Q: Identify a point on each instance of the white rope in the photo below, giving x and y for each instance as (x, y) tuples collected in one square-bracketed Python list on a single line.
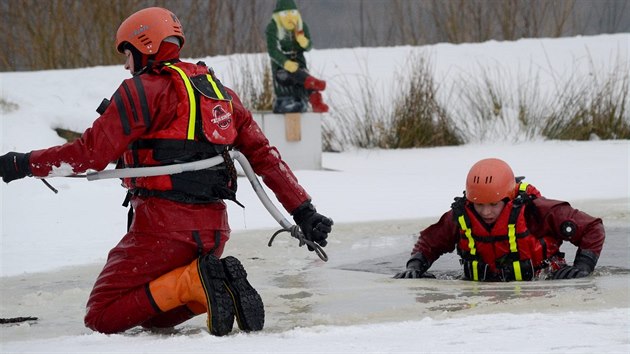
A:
[(286, 225)]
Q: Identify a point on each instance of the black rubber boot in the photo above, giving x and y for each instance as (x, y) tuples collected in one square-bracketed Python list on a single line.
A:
[(220, 304), (289, 105), (248, 305)]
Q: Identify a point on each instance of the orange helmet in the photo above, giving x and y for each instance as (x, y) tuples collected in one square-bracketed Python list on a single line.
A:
[(146, 29), (489, 181)]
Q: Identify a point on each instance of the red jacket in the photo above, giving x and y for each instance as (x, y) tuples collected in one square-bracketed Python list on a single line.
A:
[(543, 217), (141, 107)]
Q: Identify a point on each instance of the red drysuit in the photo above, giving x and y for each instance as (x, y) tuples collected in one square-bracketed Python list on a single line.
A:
[(164, 234), (544, 228)]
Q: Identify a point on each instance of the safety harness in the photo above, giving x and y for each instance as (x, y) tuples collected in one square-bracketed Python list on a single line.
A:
[(513, 255), (203, 128)]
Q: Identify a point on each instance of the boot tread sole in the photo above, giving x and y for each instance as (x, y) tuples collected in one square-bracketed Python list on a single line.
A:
[(220, 304), (248, 305)]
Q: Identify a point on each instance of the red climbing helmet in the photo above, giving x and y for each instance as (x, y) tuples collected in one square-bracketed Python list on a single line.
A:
[(489, 181), (146, 29)]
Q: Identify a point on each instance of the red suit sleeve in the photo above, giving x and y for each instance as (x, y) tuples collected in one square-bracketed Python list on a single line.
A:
[(124, 120), (438, 239), (559, 219), (265, 159)]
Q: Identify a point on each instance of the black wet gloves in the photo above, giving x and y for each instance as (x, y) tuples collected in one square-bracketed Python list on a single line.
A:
[(416, 268), (315, 226), (14, 165), (583, 265)]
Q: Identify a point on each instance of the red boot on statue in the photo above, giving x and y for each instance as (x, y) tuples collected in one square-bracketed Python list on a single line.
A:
[(311, 83), (317, 103)]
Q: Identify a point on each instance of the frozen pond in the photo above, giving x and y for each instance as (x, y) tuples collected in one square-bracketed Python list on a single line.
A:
[(354, 287)]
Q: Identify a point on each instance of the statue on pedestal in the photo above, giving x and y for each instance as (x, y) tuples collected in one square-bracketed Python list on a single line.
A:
[(288, 37)]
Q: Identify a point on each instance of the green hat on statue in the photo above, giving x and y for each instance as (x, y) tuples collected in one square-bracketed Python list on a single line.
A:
[(283, 5)]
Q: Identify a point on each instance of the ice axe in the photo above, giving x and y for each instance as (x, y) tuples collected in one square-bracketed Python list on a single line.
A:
[(286, 225)]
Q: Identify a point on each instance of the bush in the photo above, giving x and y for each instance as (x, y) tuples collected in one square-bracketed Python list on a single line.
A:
[(418, 120)]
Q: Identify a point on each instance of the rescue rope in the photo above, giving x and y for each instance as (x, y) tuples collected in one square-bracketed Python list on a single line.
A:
[(50, 186), (295, 231), (286, 225)]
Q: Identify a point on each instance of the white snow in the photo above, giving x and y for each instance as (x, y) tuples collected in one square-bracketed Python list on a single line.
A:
[(47, 233)]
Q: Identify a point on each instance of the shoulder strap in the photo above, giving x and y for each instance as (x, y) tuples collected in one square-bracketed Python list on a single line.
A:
[(211, 87), (522, 197), (458, 205)]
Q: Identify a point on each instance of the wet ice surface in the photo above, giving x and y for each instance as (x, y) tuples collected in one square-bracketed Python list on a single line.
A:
[(355, 287)]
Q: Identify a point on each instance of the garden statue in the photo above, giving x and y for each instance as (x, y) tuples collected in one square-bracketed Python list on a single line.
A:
[(288, 37)]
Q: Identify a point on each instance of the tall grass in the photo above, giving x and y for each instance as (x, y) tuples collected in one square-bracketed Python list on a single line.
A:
[(251, 80), (496, 105), (592, 107), (415, 118), (357, 116), (417, 112), (480, 108)]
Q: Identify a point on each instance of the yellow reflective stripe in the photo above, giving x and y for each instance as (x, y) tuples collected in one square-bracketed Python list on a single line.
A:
[(513, 249), (517, 270), (512, 237), (512, 227), (215, 87), (523, 186), (191, 102), (468, 232), (475, 265)]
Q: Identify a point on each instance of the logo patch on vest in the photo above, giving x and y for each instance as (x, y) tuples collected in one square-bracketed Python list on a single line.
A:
[(221, 117)]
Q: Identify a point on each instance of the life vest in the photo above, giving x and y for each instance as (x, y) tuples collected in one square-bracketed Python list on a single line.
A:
[(505, 248), (204, 127)]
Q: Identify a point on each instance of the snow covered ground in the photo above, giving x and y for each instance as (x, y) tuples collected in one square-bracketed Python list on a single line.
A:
[(53, 246)]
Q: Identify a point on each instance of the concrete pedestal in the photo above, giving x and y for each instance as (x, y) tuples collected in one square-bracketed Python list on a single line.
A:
[(298, 137)]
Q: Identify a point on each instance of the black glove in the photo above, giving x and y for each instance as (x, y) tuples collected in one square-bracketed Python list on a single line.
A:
[(583, 265), (315, 226), (416, 268), (14, 165)]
